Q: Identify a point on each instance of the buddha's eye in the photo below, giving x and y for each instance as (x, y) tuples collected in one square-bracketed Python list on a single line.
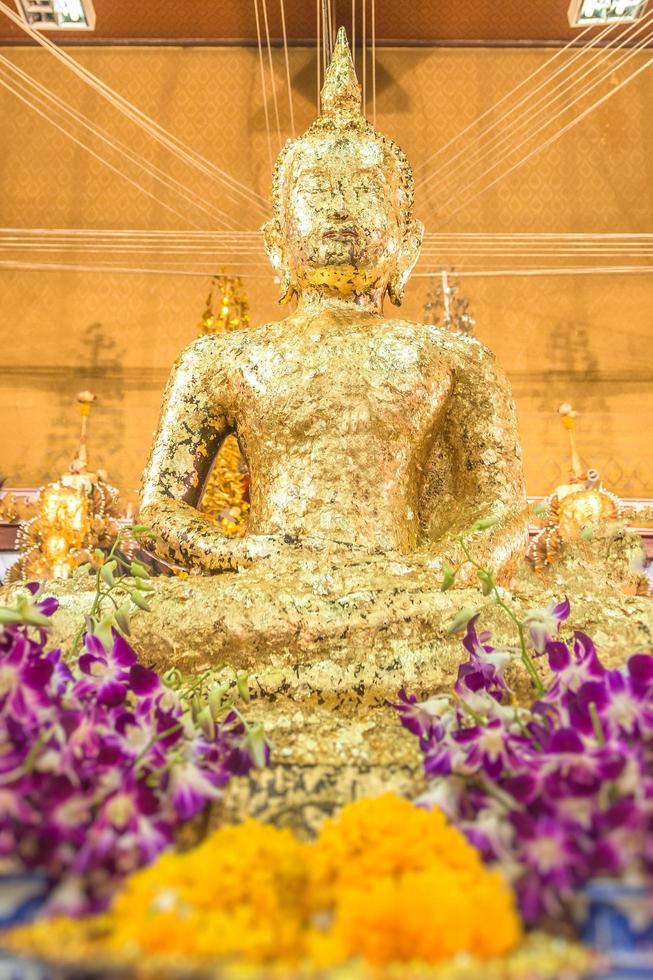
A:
[(315, 186), (368, 185)]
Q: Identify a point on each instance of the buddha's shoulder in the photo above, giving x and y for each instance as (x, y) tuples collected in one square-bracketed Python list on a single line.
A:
[(212, 351), (456, 347)]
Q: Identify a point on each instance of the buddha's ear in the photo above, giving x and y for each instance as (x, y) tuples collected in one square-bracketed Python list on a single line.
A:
[(407, 256), (273, 242)]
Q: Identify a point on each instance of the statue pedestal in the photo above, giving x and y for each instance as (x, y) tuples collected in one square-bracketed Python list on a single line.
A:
[(326, 646)]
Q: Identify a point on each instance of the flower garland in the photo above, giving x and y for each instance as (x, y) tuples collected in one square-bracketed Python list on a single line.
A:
[(100, 761), (384, 881)]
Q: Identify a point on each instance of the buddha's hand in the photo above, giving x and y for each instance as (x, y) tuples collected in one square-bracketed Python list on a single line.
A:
[(284, 546), (213, 552)]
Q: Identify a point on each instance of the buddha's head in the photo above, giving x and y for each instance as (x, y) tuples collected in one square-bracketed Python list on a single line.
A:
[(343, 199)]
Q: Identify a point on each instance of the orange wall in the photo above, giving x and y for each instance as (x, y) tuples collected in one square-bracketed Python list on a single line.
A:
[(584, 339)]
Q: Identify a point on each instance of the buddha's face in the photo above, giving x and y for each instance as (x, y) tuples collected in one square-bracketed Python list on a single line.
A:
[(344, 212)]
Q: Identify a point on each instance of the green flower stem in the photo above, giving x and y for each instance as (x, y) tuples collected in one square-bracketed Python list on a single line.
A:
[(470, 711), (596, 723), (527, 660)]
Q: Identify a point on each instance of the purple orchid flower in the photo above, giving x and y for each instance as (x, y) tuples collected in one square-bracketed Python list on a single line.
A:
[(98, 763), (544, 624), (107, 672), (484, 669), (558, 792), (24, 678), (486, 747)]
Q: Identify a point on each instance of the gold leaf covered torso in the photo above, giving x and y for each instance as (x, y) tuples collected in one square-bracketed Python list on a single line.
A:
[(360, 432)]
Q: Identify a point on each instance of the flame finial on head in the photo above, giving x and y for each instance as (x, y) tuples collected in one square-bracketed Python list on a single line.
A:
[(341, 90)]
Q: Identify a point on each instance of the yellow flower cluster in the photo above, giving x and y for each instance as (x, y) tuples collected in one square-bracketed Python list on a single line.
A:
[(241, 893), (384, 882), (403, 884)]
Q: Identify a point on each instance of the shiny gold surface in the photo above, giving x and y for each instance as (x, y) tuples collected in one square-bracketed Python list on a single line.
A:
[(368, 440), (326, 648)]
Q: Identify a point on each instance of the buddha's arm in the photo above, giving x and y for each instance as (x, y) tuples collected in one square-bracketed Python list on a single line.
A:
[(193, 423), (477, 470)]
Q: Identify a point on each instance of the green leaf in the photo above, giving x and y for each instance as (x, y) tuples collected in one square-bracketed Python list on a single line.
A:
[(486, 579), (99, 554), (139, 601), (196, 706), (242, 683), (172, 678), (484, 523), (206, 723), (448, 576), (103, 631), (139, 529), (32, 617), (460, 621), (106, 574), (121, 616), (256, 744), (138, 570), (9, 616), (216, 699), (144, 585)]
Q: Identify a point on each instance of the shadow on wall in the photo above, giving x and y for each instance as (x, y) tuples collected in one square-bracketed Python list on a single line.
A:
[(98, 366)]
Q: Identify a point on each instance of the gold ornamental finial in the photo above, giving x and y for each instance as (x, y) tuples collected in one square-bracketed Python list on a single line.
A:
[(341, 90)]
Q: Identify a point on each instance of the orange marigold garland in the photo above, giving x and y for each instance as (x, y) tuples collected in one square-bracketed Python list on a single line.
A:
[(385, 882)]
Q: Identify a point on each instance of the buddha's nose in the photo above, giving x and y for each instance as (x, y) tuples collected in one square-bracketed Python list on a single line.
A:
[(338, 204)]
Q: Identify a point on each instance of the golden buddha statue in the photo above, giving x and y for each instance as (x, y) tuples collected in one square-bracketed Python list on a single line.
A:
[(372, 443), (363, 435)]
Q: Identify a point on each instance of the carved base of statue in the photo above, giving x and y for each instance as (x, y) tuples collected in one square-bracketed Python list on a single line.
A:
[(327, 645)]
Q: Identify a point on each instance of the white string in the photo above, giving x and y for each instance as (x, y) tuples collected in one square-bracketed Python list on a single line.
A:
[(491, 149), (475, 122), (616, 270), (142, 162), (227, 235), (450, 245), (374, 63), (263, 86), (140, 118), (318, 13), (329, 32), (552, 139), (97, 156), (287, 61), (62, 267), (363, 45), (527, 117), (187, 248), (486, 273), (325, 40), (273, 85)]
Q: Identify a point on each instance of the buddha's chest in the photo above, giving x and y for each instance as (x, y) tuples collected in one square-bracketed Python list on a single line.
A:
[(391, 383)]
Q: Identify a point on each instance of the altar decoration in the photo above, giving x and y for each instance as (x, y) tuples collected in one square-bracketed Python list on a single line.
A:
[(73, 515), (558, 793), (102, 761), (226, 493), (385, 882), (574, 510), (445, 306)]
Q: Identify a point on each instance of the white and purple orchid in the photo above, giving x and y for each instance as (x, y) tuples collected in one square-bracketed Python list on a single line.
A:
[(557, 793), (99, 764)]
